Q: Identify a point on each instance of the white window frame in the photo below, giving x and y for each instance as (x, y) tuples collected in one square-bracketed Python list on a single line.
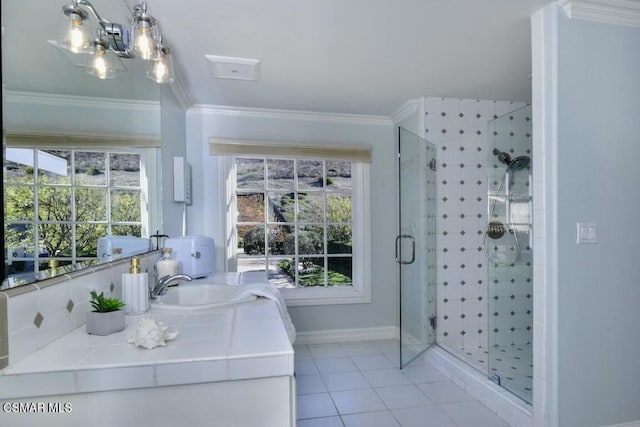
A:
[(360, 291)]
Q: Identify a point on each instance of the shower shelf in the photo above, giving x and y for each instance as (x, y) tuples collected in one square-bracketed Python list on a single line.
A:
[(512, 198)]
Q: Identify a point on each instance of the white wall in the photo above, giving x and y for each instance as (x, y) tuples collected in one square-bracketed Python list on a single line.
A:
[(203, 215), (592, 346)]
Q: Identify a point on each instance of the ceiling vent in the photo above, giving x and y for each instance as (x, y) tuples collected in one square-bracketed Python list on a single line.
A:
[(226, 67)]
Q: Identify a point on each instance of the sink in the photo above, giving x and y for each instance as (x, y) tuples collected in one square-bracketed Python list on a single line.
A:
[(199, 297)]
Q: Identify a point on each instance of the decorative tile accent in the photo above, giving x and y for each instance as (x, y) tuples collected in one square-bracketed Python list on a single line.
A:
[(112, 287), (38, 320), (70, 306)]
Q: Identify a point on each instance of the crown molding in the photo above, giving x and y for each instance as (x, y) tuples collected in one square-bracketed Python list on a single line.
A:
[(269, 113), (617, 12), (80, 101), (410, 107)]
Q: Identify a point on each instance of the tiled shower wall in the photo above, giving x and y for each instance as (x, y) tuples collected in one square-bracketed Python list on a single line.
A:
[(458, 128)]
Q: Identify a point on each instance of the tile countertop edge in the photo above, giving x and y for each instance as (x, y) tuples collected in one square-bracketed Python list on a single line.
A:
[(177, 370)]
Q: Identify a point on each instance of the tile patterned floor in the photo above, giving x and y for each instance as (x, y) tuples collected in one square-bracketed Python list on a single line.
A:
[(359, 384), (513, 363)]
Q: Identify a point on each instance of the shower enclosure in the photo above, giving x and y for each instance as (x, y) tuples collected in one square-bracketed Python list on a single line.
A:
[(501, 345)]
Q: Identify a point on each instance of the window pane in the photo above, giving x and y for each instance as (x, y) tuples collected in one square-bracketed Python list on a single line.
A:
[(340, 271), (19, 203), (277, 237), (339, 176), (281, 207), (310, 175), (124, 169), (90, 168), (250, 207), (280, 174), (91, 204), (56, 239), (310, 240), (338, 208), (252, 239), (250, 174), (125, 206), (18, 164), (282, 272), (246, 264), (339, 239), (126, 230), (54, 166), (19, 239), (311, 272), (87, 236), (54, 203), (310, 207)]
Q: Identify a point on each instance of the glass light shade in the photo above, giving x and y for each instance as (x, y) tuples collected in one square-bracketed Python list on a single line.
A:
[(100, 65), (161, 69), (143, 41), (77, 39)]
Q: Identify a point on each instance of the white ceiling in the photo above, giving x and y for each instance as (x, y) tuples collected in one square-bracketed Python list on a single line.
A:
[(344, 56)]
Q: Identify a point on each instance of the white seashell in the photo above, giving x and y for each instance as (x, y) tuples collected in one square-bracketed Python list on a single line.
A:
[(151, 333)]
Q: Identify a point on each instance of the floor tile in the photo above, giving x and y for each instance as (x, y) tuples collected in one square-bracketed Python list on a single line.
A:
[(320, 422), (369, 362), (370, 419), (423, 373), (423, 416), (364, 348), (324, 351), (402, 396), (336, 364), (385, 377), (444, 392), (340, 381), (315, 406), (308, 384), (305, 367), (472, 414), (353, 401)]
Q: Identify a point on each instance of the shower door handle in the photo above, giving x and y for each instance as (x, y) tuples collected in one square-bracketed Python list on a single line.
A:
[(413, 248)]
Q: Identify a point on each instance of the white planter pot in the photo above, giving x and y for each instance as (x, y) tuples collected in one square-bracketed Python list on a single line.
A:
[(105, 323)]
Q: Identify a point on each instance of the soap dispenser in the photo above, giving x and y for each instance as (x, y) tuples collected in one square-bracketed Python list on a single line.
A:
[(135, 289), (167, 265)]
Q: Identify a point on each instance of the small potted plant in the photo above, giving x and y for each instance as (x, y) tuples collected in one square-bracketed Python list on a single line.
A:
[(107, 316)]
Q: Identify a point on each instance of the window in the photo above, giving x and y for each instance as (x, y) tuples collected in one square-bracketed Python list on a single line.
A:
[(300, 223), (60, 201)]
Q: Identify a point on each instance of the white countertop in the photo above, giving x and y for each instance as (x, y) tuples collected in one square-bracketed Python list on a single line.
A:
[(241, 341)]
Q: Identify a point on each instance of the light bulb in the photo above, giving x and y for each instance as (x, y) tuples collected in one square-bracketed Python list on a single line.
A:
[(160, 70), (77, 38), (144, 42), (100, 66)]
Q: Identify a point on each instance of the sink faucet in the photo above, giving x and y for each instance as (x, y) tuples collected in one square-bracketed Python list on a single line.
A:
[(161, 285)]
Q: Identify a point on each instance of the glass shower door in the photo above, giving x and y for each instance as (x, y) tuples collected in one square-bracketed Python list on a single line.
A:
[(508, 243), (415, 245)]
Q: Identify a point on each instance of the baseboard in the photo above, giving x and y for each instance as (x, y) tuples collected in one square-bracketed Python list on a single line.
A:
[(343, 335)]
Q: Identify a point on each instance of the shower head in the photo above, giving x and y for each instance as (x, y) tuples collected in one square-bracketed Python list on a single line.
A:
[(519, 163), (513, 165)]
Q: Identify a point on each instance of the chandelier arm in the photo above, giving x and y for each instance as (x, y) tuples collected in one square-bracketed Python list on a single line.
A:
[(86, 3)]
